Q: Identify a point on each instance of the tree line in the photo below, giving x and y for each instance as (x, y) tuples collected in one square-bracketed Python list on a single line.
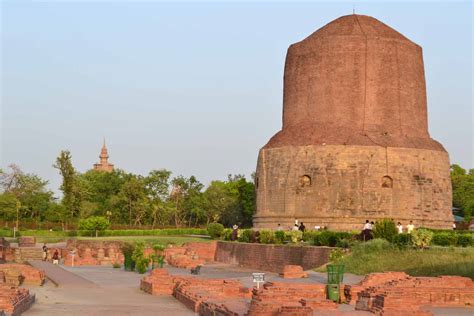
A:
[(157, 199)]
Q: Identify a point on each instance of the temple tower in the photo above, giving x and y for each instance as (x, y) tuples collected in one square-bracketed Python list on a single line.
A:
[(104, 164), (354, 143)]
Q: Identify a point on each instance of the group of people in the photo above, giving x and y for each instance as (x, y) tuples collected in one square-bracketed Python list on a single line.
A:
[(55, 257), (369, 226), (301, 227)]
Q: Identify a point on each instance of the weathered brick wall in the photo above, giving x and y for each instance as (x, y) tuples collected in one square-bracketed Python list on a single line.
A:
[(348, 186), (15, 301), (27, 273), (270, 257)]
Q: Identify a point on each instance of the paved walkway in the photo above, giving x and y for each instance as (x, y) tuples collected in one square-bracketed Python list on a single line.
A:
[(100, 291), (61, 277)]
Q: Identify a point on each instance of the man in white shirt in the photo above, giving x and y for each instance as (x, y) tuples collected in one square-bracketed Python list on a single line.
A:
[(367, 225), (410, 227), (400, 228)]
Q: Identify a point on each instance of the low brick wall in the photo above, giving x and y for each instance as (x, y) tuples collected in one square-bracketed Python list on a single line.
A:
[(271, 258)]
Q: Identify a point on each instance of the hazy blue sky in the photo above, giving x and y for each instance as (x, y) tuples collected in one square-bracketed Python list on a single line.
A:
[(192, 87)]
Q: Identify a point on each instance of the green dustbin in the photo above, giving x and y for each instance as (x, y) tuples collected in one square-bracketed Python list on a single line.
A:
[(128, 262), (333, 292), (335, 273)]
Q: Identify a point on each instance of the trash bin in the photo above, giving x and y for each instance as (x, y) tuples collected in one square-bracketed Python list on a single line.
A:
[(335, 273), (333, 292), (128, 262)]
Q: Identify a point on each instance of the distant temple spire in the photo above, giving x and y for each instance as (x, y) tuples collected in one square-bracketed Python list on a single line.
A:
[(104, 164)]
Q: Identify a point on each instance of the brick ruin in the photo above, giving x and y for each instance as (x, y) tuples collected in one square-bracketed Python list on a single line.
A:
[(88, 252), (15, 300), (354, 143), (391, 293)]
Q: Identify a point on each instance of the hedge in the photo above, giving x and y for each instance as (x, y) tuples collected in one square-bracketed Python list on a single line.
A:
[(106, 233)]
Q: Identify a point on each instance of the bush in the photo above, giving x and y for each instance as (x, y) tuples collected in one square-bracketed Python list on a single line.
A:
[(227, 234), (6, 233), (401, 240), (444, 239), (141, 263), (294, 235), (245, 235), (385, 229), (331, 239), (94, 223), (267, 237), (215, 230), (336, 255), (116, 265), (279, 237), (421, 238), (309, 235), (464, 240)]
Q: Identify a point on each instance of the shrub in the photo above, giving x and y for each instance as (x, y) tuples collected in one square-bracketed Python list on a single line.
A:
[(245, 235), (279, 237), (295, 235), (116, 265), (401, 240), (215, 230), (227, 234), (331, 239), (385, 229), (336, 255), (309, 235), (421, 238), (141, 263), (464, 240), (444, 239), (267, 237), (94, 223)]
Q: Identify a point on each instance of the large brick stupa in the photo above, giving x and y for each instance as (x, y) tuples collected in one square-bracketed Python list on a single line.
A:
[(354, 143)]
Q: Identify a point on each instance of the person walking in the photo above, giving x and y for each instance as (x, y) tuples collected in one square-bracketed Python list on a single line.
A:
[(56, 257), (45, 252), (410, 227)]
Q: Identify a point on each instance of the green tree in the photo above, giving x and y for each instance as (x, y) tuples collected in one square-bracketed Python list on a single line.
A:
[(186, 195), (133, 197), (99, 187), (8, 203), (71, 190), (29, 189), (463, 190), (157, 186), (94, 223), (220, 200)]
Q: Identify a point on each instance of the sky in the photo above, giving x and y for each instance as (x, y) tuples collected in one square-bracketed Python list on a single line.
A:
[(192, 87)]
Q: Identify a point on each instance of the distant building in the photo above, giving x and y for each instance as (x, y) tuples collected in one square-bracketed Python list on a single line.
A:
[(104, 164)]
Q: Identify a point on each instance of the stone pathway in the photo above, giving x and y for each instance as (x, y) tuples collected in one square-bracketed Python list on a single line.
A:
[(102, 291), (60, 276)]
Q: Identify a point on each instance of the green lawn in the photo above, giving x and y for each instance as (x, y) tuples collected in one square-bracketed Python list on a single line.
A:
[(428, 262)]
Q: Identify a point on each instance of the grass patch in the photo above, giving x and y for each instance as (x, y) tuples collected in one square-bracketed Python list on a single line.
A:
[(378, 256), (176, 240)]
